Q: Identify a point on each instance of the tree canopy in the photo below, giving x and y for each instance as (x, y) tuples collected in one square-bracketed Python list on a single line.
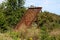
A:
[(11, 12)]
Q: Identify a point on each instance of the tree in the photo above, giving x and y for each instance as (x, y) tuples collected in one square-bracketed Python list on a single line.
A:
[(20, 3), (14, 11), (11, 12), (15, 4)]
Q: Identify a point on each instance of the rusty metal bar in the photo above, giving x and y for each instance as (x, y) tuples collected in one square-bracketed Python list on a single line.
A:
[(29, 17)]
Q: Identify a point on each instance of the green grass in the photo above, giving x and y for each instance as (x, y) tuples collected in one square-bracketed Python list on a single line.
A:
[(32, 33)]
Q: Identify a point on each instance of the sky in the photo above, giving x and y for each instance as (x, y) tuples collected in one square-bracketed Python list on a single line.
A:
[(1, 1), (47, 5)]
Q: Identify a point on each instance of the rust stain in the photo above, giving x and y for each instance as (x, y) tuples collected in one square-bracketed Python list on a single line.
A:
[(29, 17)]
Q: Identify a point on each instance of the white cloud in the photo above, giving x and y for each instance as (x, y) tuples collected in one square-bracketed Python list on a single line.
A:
[(46, 2), (1, 1)]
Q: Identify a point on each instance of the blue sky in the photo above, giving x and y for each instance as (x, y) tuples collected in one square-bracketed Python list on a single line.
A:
[(47, 5), (1, 1)]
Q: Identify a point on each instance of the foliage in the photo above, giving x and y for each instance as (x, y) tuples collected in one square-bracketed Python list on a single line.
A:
[(12, 11), (48, 20), (14, 4), (10, 14), (32, 33)]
